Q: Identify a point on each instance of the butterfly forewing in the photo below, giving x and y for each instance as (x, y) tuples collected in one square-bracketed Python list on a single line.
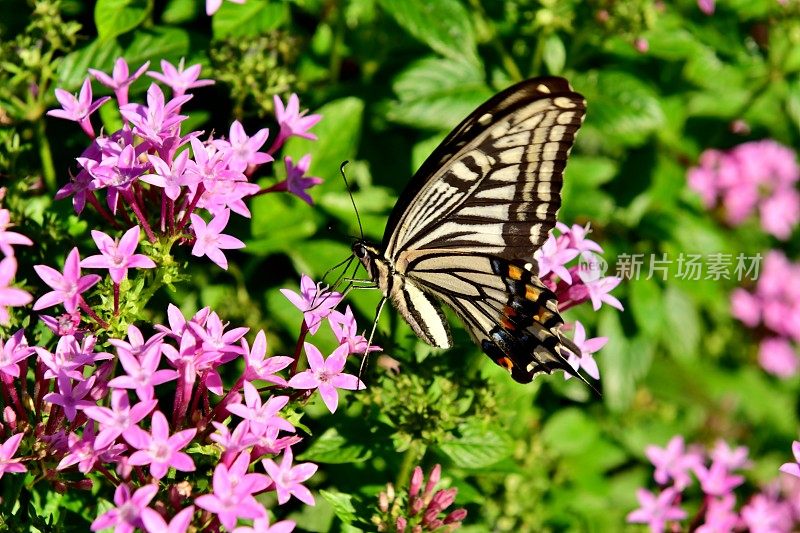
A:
[(494, 184)]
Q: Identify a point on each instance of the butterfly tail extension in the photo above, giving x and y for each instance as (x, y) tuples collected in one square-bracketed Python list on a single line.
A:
[(529, 339)]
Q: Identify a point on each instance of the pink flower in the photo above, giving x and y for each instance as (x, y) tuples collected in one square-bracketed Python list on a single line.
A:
[(158, 120), (154, 523), (326, 375), (12, 351), (292, 121), (119, 418), (673, 462), (780, 212), (170, 177), (717, 479), (777, 356), (656, 511), (766, 514), (720, 515), (233, 492), (346, 331), (141, 373), (731, 458), (261, 415), (793, 469), (243, 150), (259, 366), (120, 78), (67, 287), (296, 181), (7, 451), (599, 288), (287, 478), (10, 238), (261, 525), (553, 256), (746, 307), (10, 296), (315, 303), (159, 449), (210, 241), (706, 6), (117, 255), (178, 79), (71, 398), (587, 347), (127, 515), (79, 108)]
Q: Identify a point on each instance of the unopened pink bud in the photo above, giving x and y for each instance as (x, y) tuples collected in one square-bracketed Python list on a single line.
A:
[(456, 516), (401, 524), (416, 482)]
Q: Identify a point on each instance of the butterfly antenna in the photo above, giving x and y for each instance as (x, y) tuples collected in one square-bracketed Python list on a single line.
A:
[(349, 192)]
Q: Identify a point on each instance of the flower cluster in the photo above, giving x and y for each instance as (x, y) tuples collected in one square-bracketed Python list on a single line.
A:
[(776, 508), (153, 173), (10, 296), (759, 175), (580, 282), (425, 511), (774, 306)]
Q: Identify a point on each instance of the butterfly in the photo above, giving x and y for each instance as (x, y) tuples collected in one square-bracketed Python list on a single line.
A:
[(464, 231)]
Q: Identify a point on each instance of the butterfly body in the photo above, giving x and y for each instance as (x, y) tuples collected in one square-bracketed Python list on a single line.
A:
[(464, 231)]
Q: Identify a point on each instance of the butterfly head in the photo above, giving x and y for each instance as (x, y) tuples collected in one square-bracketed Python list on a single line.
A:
[(376, 265)]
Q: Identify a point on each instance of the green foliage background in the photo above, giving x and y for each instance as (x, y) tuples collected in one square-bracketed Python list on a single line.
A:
[(390, 78)]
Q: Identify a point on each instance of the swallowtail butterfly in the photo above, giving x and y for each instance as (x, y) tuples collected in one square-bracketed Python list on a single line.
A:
[(464, 231)]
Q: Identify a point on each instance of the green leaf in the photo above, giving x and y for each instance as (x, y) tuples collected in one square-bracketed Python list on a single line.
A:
[(478, 446), (156, 43), (338, 135), (115, 17), (180, 11), (615, 363), (342, 505), (444, 25), (646, 301), (279, 221), (250, 19), (73, 69), (555, 55), (570, 431), (333, 448), (437, 94), (682, 332)]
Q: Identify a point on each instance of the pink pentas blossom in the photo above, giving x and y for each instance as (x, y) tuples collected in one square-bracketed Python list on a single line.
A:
[(733, 458), (71, 396), (345, 329), (136, 344), (721, 516), (158, 120), (14, 350), (67, 286), (155, 523), (8, 239), (269, 442), (142, 373), (296, 181), (127, 513), (780, 212), (179, 79), (119, 418), (326, 375), (587, 348), (777, 356), (656, 511), (117, 255), (793, 469), (315, 302), (69, 357), (261, 415), (9, 464), (170, 177), (259, 366), (706, 6), (233, 489), (553, 256), (159, 449), (717, 479), (84, 451), (746, 307), (78, 108), (232, 442), (210, 241), (10, 296), (287, 479), (598, 288), (216, 340), (120, 79), (673, 462), (243, 149), (292, 120), (767, 514)]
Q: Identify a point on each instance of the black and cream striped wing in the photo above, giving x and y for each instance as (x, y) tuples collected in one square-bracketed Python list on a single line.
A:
[(493, 186), (505, 308)]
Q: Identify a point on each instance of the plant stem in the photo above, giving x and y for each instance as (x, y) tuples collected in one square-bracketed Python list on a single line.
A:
[(46, 156), (411, 458)]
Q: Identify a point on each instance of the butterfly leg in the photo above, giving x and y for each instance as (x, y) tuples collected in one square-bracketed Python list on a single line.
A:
[(378, 311)]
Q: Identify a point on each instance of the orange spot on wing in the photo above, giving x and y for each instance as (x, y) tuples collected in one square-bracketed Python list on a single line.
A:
[(532, 293), (506, 363), (514, 272)]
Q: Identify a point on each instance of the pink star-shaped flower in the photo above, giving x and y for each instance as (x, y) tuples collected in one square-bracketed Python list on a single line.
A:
[(287, 478), (120, 79), (292, 121), (159, 449), (117, 255), (793, 469), (259, 366), (127, 515), (67, 286), (243, 149), (78, 108), (315, 302), (179, 79), (261, 415), (673, 462), (7, 451), (553, 256), (326, 375), (296, 181), (10, 296), (656, 511), (587, 347), (210, 241)]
